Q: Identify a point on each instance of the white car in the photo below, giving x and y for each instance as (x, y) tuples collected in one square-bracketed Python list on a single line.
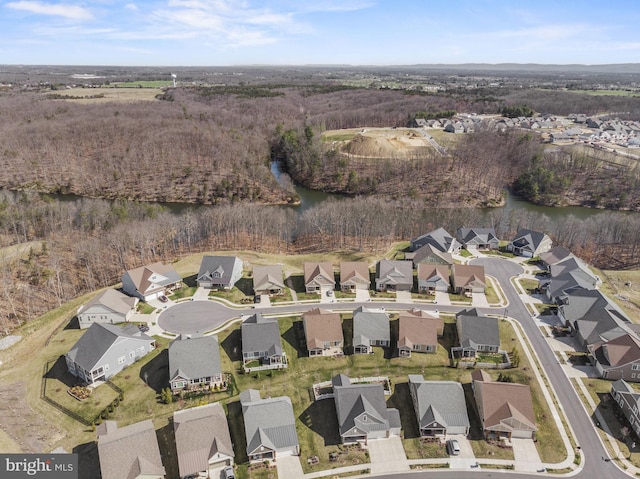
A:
[(227, 473), (453, 447)]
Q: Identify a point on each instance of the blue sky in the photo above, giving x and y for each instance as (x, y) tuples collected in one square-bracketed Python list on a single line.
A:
[(286, 32)]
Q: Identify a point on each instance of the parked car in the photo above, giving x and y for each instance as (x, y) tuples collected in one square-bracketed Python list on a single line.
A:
[(227, 473), (143, 327), (330, 293), (257, 298), (453, 447), (163, 298)]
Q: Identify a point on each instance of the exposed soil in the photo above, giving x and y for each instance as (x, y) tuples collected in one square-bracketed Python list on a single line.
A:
[(386, 143)]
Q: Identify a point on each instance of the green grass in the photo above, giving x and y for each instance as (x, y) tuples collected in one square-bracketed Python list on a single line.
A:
[(460, 298), (142, 84), (279, 298), (234, 295), (185, 292), (465, 253), (528, 284), (491, 294), (145, 308)]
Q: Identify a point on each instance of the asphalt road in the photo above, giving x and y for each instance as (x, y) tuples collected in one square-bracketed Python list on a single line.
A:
[(202, 316)]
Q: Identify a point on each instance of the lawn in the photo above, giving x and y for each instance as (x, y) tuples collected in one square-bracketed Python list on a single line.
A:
[(145, 308), (528, 284), (235, 295), (185, 292), (461, 298), (491, 294)]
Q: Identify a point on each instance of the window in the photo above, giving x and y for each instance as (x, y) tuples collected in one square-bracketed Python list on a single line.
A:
[(364, 418), (122, 359), (635, 367)]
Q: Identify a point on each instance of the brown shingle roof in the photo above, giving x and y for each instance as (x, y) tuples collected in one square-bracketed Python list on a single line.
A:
[(354, 271), (504, 406), (415, 330), (320, 326), (313, 270), (465, 274)]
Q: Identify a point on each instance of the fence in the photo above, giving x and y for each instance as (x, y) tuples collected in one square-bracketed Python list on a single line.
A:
[(386, 385)]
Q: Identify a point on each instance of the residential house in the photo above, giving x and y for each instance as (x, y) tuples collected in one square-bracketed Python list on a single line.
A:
[(429, 254), (318, 277), (439, 239), (323, 332), (194, 363), (618, 358), (362, 411), (440, 406), (529, 243), (505, 409), (432, 278), (468, 279), (570, 274), (151, 282), (628, 400), (219, 272), (554, 256), (394, 275), (261, 342), (370, 328), (203, 441), (418, 332), (269, 426), (591, 316), (267, 280), (130, 452), (455, 127), (105, 349), (477, 333), (478, 238), (354, 275), (109, 306)]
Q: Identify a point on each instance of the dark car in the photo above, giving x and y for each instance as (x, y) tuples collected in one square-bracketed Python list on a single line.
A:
[(163, 298), (143, 327), (257, 298)]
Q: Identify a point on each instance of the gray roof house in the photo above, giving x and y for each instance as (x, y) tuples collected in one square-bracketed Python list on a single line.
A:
[(592, 317), (555, 255), (268, 279), (203, 441), (394, 275), (432, 278), (130, 452), (478, 238), (439, 239), (151, 281), (567, 275), (261, 342), (318, 277), (105, 349), (477, 333), (109, 306), (269, 425), (219, 272), (440, 406), (628, 400), (370, 328), (362, 411), (194, 363), (354, 275), (529, 243), (429, 254)]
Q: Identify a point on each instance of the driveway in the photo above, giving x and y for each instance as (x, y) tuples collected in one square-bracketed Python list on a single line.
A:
[(362, 295), (403, 296), (289, 467), (526, 455), (387, 455), (442, 297)]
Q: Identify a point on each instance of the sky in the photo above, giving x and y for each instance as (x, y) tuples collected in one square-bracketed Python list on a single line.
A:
[(302, 32)]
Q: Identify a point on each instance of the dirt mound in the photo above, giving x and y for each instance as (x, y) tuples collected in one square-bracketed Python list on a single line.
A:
[(386, 144)]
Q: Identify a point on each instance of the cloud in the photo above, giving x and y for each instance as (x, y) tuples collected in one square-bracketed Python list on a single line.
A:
[(73, 12), (131, 6)]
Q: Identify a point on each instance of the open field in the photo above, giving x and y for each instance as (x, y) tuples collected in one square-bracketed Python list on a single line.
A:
[(378, 142), (108, 94), (608, 92), (623, 288)]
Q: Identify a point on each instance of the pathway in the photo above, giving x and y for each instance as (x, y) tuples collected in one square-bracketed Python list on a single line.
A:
[(387, 455)]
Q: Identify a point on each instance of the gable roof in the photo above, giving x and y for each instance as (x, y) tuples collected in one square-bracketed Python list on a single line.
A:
[(476, 235), (394, 272), (429, 251), (442, 402), (98, 339), (321, 273), (201, 433), (261, 334), (194, 357), (433, 273), (219, 266), (555, 255), (418, 330), (619, 351), (477, 329), (356, 272), (504, 406), (153, 276), (321, 325), (570, 273), (128, 452), (369, 325), (468, 275), (528, 238), (360, 406), (268, 422), (111, 299), (440, 239), (267, 277)]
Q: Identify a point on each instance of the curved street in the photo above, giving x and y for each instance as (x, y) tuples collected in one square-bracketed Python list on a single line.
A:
[(205, 316)]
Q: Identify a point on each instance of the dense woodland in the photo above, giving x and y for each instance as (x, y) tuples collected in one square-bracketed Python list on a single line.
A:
[(213, 146)]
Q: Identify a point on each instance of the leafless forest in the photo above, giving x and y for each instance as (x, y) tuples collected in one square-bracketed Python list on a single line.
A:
[(212, 145)]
